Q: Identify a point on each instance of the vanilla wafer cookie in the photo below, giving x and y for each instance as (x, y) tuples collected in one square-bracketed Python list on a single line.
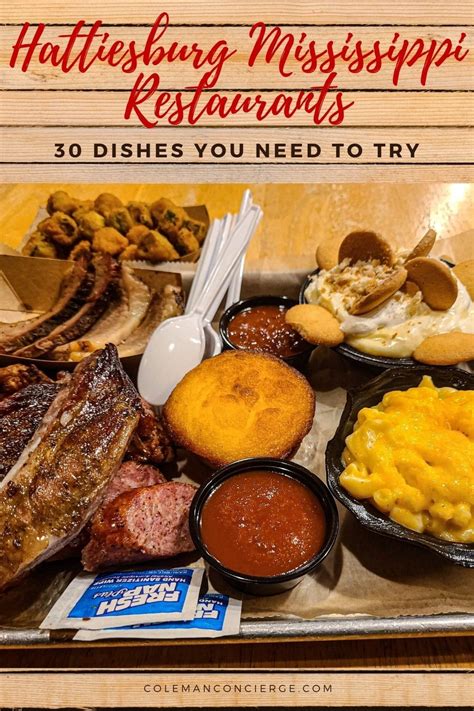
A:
[(365, 246), (327, 253), (446, 349), (315, 324), (437, 284), (380, 293), (465, 273), (424, 246)]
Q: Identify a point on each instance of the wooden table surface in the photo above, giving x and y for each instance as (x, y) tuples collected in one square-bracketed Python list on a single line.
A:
[(297, 217), (414, 653)]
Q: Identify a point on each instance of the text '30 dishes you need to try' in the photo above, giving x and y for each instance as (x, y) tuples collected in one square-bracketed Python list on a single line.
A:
[(156, 232), (391, 305)]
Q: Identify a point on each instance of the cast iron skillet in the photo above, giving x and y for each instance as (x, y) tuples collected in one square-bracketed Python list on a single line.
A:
[(380, 362), (369, 395)]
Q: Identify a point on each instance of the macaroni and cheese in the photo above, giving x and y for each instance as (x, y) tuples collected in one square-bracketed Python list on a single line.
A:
[(412, 455)]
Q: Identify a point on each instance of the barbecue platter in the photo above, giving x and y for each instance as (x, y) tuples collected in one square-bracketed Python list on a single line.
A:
[(96, 479)]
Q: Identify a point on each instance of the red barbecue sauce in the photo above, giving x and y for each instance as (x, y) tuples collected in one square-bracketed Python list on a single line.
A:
[(262, 523), (264, 329)]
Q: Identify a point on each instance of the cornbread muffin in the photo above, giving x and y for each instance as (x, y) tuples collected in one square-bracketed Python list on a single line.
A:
[(240, 404)]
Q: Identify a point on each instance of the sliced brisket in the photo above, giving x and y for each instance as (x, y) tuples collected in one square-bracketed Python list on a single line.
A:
[(75, 288), (106, 273)]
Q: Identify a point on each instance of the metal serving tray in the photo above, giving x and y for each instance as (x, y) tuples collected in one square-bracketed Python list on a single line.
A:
[(276, 630), (23, 631)]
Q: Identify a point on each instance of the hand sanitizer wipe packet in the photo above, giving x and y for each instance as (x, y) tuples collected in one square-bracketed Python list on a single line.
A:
[(132, 597), (216, 616)]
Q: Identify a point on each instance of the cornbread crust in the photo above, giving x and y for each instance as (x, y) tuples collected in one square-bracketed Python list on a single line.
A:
[(240, 404)]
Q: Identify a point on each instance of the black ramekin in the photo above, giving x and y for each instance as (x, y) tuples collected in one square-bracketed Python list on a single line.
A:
[(266, 585), (299, 360)]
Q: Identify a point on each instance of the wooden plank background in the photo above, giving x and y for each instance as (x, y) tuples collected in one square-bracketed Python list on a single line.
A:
[(44, 106), (216, 11)]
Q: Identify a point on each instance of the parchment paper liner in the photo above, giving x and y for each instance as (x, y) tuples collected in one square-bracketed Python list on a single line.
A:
[(365, 575)]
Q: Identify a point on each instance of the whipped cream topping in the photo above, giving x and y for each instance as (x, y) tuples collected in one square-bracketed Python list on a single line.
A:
[(395, 328)]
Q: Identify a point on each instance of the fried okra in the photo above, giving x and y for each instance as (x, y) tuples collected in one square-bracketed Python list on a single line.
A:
[(89, 223), (129, 253), (38, 245), (196, 227), (106, 202), (59, 228), (140, 213), (109, 240), (155, 247), (119, 219), (136, 233), (84, 207), (185, 242), (167, 216), (61, 201)]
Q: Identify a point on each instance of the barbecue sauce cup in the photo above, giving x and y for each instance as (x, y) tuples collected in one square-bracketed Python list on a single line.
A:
[(299, 359), (287, 480)]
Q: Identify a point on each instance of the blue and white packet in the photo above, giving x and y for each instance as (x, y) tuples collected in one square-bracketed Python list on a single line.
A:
[(96, 602), (216, 616)]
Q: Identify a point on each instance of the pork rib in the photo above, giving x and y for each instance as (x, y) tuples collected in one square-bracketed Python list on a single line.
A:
[(59, 481), (20, 417)]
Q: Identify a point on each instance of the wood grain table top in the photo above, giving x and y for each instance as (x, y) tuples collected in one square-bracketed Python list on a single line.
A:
[(414, 653)]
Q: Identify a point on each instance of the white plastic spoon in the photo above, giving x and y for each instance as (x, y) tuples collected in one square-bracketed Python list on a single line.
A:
[(177, 345)]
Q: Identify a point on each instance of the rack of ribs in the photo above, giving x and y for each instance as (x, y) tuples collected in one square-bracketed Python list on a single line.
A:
[(61, 477)]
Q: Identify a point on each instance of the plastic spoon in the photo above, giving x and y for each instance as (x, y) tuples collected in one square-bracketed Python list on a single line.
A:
[(213, 341), (177, 345)]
